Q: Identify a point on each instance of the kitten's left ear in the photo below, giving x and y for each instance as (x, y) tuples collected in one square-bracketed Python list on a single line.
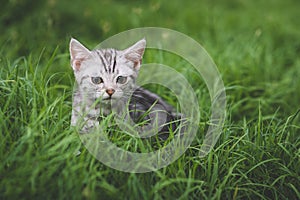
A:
[(135, 53), (78, 53)]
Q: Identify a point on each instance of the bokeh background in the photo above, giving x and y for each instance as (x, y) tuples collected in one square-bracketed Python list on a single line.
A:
[(256, 46)]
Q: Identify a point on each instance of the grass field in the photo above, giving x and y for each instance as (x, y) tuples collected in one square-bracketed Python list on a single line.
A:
[(256, 46)]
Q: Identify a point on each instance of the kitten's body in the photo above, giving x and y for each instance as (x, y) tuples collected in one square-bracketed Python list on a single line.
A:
[(106, 81)]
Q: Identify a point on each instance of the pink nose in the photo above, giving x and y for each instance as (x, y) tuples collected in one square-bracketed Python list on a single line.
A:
[(110, 91)]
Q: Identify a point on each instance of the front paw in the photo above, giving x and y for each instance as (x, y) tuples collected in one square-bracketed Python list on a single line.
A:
[(89, 126)]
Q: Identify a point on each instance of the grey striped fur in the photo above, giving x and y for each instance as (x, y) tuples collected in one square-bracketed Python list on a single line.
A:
[(116, 72)]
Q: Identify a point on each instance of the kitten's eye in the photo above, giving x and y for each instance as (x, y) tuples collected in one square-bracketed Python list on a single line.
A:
[(97, 80), (121, 79)]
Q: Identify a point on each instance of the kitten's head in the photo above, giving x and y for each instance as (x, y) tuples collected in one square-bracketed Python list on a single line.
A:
[(108, 74)]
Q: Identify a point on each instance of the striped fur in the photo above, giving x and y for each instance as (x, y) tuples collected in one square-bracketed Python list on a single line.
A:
[(106, 81)]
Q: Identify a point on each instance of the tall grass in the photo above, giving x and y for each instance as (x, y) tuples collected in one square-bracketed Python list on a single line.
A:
[(257, 155)]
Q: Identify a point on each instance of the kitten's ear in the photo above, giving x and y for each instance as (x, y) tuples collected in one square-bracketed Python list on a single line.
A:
[(135, 53), (78, 53)]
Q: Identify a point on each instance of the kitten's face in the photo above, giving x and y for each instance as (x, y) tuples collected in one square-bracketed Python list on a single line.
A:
[(107, 74)]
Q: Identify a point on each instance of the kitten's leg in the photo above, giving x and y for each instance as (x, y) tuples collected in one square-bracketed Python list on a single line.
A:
[(89, 125), (87, 122)]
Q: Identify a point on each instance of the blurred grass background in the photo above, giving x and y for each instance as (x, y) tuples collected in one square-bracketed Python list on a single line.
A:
[(256, 46)]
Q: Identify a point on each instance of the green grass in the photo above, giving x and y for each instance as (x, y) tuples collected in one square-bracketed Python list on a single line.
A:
[(256, 47)]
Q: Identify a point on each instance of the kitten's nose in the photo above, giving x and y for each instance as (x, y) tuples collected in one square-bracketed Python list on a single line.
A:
[(110, 91)]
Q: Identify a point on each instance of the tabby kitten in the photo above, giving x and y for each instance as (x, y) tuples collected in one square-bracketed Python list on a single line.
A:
[(106, 83)]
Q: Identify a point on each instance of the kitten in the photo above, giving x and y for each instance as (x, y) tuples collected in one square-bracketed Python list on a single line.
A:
[(106, 82)]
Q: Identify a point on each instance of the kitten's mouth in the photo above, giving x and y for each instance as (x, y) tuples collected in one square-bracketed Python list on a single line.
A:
[(109, 99)]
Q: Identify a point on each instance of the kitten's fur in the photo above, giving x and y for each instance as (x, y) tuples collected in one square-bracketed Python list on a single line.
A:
[(106, 81)]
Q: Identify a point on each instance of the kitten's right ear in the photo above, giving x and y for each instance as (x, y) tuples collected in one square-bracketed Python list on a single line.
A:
[(135, 53), (78, 53)]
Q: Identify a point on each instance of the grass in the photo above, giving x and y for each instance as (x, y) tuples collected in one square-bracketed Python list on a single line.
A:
[(256, 48)]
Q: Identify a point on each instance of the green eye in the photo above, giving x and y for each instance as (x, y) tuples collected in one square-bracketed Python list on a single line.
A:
[(121, 79), (97, 80)]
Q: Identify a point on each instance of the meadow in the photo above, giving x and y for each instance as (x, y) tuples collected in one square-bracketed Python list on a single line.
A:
[(256, 46)]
